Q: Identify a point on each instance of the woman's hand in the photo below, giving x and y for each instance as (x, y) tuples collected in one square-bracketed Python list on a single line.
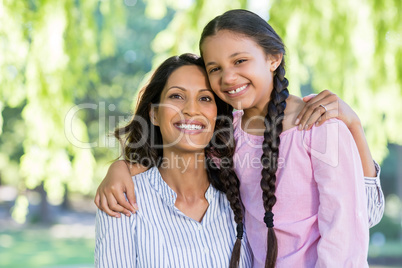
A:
[(110, 194), (315, 113), (324, 106)]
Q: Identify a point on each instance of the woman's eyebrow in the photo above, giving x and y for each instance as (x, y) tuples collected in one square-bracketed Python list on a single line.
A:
[(183, 89)]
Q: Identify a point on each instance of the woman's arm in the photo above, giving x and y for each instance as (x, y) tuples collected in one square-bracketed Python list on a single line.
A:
[(115, 241), (110, 194), (342, 213), (313, 113)]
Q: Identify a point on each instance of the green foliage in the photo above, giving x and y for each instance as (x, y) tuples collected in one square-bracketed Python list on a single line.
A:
[(69, 70), (352, 48), (84, 60)]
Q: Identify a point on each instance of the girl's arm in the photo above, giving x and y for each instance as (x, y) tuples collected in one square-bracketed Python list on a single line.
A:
[(110, 194), (116, 241), (342, 211)]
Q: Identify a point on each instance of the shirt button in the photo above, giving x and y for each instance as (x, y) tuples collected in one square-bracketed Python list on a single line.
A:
[(199, 227)]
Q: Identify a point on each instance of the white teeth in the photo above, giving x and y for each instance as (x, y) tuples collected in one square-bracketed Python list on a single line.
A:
[(189, 126), (237, 90)]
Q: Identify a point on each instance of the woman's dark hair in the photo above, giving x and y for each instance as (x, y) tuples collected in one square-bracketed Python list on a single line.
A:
[(252, 26), (142, 141)]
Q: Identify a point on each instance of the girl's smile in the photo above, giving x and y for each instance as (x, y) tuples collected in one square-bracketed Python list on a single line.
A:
[(239, 70)]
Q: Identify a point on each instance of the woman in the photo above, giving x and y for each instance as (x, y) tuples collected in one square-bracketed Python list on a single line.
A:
[(185, 218)]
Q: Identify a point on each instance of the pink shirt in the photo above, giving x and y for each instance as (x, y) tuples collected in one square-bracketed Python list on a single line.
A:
[(321, 212)]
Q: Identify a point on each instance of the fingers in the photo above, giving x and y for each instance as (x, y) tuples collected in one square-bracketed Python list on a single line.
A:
[(97, 199), (312, 111), (309, 97), (322, 114), (328, 115), (104, 206), (131, 197), (122, 205)]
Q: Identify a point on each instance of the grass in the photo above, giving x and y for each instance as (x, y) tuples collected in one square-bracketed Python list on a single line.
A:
[(42, 247), (71, 246)]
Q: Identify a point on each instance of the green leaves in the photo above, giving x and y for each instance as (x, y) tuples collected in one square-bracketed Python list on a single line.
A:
[(350, 48)]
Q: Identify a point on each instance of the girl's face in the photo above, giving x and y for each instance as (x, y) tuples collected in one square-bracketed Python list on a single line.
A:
[(239, 71), (187, 110)]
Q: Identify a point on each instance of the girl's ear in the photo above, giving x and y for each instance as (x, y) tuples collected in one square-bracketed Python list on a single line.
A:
[(275, 61), (153, 115)]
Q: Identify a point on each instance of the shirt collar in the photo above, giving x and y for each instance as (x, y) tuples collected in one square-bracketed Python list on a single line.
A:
[(167, 194)]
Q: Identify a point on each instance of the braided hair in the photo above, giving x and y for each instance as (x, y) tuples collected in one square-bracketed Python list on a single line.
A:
[(252, 26)]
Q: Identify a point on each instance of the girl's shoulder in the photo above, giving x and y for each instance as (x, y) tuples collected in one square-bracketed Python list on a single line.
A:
[(237, 119), (294, 105), (237, 116)]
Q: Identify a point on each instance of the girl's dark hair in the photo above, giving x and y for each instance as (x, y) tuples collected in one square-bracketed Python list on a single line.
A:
[(252, 26), (142, 141)]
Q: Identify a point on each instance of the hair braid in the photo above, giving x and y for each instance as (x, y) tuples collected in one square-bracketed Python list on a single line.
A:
[(231, 184), (269, 159)]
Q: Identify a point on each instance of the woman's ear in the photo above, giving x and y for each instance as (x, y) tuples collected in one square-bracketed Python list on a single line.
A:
[(275, 61), (153, 115)]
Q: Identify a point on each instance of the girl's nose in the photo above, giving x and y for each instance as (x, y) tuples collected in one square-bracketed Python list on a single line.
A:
[(229, 77)]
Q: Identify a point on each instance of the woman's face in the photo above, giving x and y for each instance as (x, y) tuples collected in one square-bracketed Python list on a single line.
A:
[(239, 70), (187, 110)]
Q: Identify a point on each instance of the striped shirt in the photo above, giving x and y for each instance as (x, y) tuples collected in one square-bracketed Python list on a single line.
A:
[(160, 235), (375, 197)]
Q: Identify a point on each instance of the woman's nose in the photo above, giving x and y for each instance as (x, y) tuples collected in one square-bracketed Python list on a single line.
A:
[(191, 107)]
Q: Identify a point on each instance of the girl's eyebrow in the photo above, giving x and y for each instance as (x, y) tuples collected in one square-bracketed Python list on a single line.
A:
[(231, 56)]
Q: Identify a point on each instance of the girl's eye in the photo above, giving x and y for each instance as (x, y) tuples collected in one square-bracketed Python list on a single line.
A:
[(175, 96), (239, 61), (206, 98)]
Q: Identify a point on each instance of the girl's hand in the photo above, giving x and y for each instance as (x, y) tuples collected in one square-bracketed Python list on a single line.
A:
[(314, 112), (110, 194)]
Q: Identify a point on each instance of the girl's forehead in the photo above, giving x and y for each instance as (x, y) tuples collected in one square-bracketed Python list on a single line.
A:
[(229, 35), (226, 42)]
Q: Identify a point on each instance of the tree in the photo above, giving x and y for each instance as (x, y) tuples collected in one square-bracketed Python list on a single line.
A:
[(68, 69)]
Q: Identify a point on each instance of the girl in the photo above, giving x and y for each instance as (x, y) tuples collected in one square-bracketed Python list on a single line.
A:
[(311, 179), (185, 221)]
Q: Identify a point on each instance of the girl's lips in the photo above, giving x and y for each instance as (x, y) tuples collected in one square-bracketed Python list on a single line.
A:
[(236, 91)]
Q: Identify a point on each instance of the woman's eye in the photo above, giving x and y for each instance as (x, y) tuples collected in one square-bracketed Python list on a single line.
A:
[(206, 98), (239, 61), (175, 96), (213, 70)]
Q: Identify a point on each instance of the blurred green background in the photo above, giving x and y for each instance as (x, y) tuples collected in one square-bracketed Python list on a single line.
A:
[(70, 70)]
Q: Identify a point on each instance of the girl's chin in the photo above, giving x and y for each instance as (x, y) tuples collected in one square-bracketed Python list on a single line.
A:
[(239, 105)]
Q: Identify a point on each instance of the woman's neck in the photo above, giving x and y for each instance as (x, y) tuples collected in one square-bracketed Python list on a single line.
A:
[(185, 173), (187, 176)]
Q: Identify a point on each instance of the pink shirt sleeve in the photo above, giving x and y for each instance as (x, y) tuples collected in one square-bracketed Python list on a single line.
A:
[(342, 213)]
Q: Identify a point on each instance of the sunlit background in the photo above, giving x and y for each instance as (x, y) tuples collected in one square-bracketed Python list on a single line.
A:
[(70, 70)]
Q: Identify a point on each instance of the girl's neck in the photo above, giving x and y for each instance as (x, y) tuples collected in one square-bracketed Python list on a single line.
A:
[(185, 173), (253, 119)]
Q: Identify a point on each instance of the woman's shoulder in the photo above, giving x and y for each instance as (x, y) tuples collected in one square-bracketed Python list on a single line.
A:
[(136, 168)]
